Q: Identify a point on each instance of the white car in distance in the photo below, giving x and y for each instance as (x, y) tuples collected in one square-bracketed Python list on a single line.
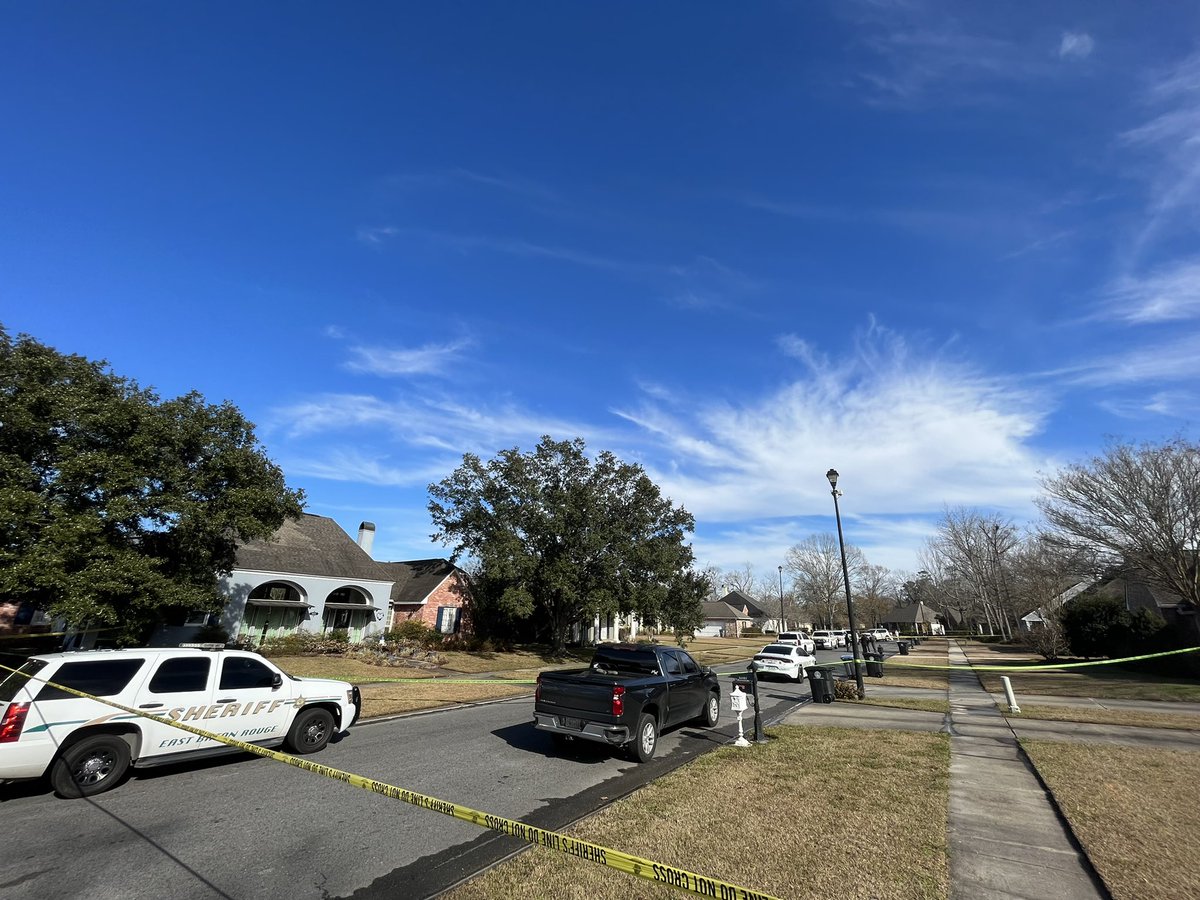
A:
[(801, 639), (825, 640), (783, 660)]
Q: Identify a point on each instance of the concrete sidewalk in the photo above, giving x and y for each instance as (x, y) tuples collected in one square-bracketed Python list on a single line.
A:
[(1007, 839)]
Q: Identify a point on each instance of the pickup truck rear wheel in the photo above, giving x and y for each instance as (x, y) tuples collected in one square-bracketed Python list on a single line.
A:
[(645, 741), (712, 710), (90, 766), (311, 731)]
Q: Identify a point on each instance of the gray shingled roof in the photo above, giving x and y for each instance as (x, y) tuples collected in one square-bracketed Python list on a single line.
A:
[(718, 610), (311, 545), (417, 578), (915, 612), (738, 598)]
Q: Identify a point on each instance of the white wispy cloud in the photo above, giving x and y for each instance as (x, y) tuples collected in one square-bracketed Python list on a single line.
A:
[(1172, 404), (919, 53), (1177, 360), (1170, 293), (701, 283), (431, 359), (906, 429), (341, 464), (1171, 142), (1076, 45), (458, 177), (376, 235), (909, 429), (430, 422)]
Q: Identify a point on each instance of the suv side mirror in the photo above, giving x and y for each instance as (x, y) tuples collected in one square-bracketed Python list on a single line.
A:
[(276, 681)]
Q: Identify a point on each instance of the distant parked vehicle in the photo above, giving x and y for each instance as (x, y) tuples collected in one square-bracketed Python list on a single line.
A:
[(801, 639), (825, 640)]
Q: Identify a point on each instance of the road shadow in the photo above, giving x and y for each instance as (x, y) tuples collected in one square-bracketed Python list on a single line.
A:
[(19, 790), (527, 738)]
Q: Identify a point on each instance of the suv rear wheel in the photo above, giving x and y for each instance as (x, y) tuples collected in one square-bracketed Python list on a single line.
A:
[(90, 766)]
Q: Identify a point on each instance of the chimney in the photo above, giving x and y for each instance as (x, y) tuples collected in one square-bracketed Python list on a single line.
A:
[(366, 536)]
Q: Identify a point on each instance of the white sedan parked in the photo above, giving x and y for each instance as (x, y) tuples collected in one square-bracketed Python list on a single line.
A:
[(784, 660)]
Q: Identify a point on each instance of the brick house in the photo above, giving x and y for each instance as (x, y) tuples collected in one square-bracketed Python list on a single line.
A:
[(432, 591)]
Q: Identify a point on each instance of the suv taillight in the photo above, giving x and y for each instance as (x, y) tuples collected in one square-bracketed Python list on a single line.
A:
[(537, 691), (618, 699), (13, 722)]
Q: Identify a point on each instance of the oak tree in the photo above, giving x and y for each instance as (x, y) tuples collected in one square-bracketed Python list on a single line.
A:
[(118, 508), (559, 537)]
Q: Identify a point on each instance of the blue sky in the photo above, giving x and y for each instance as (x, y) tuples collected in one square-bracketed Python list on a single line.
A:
[(943, 248)]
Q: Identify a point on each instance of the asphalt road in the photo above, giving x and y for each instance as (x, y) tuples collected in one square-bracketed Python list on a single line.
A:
[(245, 827)]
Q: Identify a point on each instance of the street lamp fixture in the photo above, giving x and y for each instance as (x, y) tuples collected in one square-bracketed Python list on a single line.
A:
[(782, 623), (832, 475)]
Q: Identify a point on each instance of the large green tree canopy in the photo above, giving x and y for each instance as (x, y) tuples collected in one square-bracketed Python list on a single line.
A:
[(558, 537), (117, 507)]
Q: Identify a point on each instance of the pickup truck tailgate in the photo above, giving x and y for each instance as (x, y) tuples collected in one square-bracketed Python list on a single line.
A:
[(586, 695)]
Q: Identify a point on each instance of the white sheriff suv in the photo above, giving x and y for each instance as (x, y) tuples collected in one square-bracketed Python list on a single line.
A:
[(87, 747)]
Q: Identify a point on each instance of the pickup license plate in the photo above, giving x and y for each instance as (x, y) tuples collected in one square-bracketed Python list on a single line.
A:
[(573, 724)]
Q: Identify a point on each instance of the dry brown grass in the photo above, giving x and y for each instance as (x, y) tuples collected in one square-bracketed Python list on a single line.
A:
[(1132, 810), (775, 818), (389, 699), (343, 669), (928, 705), (904, 671), (1100, 682), (1177, 721), (534, 660)]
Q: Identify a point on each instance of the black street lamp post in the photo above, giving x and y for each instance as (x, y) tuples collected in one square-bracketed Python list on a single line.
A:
[(782, 623), (832, 475)]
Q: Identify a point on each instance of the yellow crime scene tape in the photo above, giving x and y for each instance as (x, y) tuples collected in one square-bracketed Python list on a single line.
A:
[(435, 680), (893, 661), (530, 834)]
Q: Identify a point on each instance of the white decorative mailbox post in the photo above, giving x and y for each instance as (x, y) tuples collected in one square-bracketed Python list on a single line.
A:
[(737, 703)]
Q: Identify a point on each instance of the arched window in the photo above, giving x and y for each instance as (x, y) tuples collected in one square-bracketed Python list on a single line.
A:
[(276, 590), (346, 595)]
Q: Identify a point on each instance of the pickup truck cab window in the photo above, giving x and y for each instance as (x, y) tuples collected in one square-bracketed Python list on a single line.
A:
[(625, 662), (674, 663), (690, 666)]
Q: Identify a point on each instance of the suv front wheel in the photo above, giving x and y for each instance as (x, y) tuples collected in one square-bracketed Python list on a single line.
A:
[(311, 731), (90, 766)]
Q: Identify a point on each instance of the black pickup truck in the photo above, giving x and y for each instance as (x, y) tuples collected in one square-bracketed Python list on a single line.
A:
[(629, 694)]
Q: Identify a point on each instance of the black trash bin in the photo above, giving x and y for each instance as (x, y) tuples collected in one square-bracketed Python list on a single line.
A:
[(821, 685), (875, 665), (848, 665), (903, 647)]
